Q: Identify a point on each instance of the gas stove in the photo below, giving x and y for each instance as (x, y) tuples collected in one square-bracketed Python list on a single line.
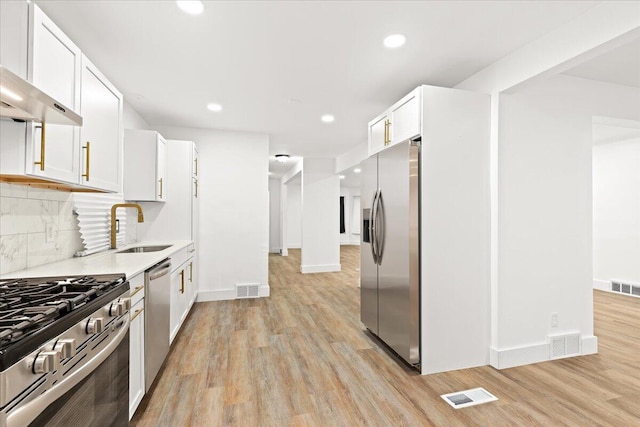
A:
[(52, 330)]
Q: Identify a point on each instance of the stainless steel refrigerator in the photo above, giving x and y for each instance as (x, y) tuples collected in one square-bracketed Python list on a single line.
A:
[(390, 248)]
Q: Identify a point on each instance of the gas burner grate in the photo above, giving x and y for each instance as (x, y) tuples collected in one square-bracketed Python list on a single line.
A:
[(28, 305)]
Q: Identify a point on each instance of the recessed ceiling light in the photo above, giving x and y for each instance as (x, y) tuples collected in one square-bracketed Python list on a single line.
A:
[(282, 158), (341, 176), (327, 118), (214, 107), (192, 7), (394, 40), (357, 170)]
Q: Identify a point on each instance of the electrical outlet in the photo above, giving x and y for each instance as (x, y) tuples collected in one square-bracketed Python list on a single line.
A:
[(49, 232), (554, 320)]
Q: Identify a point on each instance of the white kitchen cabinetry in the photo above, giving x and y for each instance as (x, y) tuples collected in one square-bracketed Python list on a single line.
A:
[(37, 50), (183, 289), (102, 131), (145, 166), (136, 344), (399, 123)]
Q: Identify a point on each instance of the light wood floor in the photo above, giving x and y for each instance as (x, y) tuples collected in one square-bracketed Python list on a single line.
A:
[(301, 358)]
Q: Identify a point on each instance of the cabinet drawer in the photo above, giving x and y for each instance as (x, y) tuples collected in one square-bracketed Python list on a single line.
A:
[(136, 286)]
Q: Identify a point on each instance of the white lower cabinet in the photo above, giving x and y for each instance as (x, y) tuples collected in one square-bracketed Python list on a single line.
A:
[(136, 343), (136, 357), (183, 294)]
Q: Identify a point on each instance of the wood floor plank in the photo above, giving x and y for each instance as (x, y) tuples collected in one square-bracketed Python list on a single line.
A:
[(302, 358)]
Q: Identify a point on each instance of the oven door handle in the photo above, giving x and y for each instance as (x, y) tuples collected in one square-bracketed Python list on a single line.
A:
[(24, 415)]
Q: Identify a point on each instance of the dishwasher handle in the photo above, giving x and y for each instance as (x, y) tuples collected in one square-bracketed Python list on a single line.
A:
[(160, 270)]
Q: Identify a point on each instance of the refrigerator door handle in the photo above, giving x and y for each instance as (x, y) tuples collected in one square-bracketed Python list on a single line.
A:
[(380, 228), (372, 228)]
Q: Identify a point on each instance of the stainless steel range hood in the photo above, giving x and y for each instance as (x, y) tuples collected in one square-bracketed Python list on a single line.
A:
[(21, 100)]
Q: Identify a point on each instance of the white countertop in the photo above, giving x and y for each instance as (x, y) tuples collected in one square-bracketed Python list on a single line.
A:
[(107, 262)]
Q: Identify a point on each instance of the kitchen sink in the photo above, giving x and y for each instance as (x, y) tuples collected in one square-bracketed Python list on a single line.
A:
[(142, 249)]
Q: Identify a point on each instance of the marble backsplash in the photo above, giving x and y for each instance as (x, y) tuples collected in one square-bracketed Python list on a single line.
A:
[(26, 214)]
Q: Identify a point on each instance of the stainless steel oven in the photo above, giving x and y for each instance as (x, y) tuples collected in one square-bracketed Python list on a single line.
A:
[(79, 374)]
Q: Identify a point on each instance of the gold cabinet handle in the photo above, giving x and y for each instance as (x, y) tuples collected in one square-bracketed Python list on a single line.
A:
[(387, 134), (182, 282), (196, 160), (136, 314), (88, 161), (160, 188), (42, 144), (196, 183), (191, 272), (136, 290)]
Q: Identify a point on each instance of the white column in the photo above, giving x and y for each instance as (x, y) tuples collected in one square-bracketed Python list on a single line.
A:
[(320, 216)]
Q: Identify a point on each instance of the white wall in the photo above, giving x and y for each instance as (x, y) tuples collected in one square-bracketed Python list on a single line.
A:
[(234, 209), (294, 216), (274, 216), (349, 237), (616, 212), (545, 213), (133, 120), (320, 216)]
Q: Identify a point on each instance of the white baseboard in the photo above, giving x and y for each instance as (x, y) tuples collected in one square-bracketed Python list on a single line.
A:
[(602, 285), (227, 294), (322, 268), (285, 252), (535, 353)]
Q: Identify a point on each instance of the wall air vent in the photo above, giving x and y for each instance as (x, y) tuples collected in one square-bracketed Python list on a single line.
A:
[(249, 290), (620, 287), (567, 345)]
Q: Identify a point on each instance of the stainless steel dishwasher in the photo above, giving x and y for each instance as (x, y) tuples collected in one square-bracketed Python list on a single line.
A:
[(156, 320)]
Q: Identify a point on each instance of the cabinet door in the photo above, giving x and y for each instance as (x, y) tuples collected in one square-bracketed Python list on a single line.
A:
[(56, 69), (136, 357), (192, 285), (405, 118), (177, 301), (161, 170), (378, 134), (102, 131)]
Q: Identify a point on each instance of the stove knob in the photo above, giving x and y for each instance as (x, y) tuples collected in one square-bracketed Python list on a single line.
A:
[(46, 361), (119, 308), (95, 326), (66, 347), (115, 309)]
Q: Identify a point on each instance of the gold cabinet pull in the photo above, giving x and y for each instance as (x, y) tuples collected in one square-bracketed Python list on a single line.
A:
[(160, 188), (196, 160), (182, 282), (42, 145), (136, 314), (88, 161), (191, 272), (196, 183), (136, 290), (387, 134)]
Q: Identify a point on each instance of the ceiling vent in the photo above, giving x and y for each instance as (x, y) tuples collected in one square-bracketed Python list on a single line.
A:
[(249, 290)]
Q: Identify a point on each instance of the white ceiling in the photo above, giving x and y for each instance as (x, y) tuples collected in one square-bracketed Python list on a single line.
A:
[(620, 66), (276, 67)]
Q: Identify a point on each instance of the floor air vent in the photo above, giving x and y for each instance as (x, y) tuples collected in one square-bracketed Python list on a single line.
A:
[(463, 399), (248, 291), (564, 346)]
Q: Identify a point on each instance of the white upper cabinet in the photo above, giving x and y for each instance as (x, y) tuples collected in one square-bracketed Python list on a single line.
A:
[(400, 122), (145, 166), (102, 132), (56, 69), (89, 156)]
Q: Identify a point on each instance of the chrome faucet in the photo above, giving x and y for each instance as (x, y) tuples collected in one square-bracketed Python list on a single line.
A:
[(113, 218)]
